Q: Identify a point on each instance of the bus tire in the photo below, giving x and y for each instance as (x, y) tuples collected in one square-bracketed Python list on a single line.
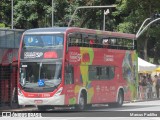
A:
[(120, 100), (82, 103)]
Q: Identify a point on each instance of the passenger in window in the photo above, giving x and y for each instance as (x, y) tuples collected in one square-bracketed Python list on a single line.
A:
[(105, 42), (91, 42), (76, 42), (31, 78)]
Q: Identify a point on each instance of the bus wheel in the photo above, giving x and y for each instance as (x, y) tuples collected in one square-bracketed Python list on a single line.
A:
[(119, 102), (120, 99), (82, 102)]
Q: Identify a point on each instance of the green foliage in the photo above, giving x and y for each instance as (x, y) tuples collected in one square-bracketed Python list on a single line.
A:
[(31, 13), (126, 27), (5, 12), (2, 25), (131, 14), (126, 17)]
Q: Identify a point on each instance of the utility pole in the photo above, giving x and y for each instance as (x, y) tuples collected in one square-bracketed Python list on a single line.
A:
[(88, 7), (52, 14), (12, 14)]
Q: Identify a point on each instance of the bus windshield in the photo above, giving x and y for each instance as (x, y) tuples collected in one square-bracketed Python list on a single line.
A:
[(40, 76), (42, 41)]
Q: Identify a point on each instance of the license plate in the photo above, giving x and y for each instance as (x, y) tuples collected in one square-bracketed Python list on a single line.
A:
[(38, 102)]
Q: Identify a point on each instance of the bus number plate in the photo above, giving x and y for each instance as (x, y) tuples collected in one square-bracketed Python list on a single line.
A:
[(38, 102)]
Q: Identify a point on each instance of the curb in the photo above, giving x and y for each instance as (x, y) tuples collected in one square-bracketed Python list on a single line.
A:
[(143, 100)]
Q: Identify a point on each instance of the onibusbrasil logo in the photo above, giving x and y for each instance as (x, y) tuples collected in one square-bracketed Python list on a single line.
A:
[(16, 114)]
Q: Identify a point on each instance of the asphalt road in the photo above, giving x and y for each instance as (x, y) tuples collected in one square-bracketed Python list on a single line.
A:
[(147, 110)]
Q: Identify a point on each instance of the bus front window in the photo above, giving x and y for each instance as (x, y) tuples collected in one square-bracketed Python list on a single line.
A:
[(31, 73)]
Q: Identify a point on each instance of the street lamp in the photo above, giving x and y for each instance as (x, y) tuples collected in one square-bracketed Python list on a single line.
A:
[(141, 31), (142, 25), (104, 18), (84, 7)]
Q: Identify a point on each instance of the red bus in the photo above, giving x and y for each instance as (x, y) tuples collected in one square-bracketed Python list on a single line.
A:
[(9, 44), (70, 66)]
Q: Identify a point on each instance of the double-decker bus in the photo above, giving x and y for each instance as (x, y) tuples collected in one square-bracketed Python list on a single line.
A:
[(70, 66)]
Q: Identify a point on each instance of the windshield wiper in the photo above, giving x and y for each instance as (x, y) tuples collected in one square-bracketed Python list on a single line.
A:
[(54, 85), (56, 46), (33, 47), (49, 46)]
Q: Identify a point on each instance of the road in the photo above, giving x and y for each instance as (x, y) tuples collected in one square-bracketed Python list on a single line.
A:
[(147, 110), (136, 109)]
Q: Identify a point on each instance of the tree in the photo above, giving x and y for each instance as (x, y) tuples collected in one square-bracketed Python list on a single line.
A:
[(91, 18), (127, 17), (131, 14), (37, 13), (31, 14), (5, 13)]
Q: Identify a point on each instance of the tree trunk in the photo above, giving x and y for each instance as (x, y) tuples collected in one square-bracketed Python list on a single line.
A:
[(147, 35), (145, 47), (155, 60)]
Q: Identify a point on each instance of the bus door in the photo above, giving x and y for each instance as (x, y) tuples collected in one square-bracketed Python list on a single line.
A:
[(69, 84)]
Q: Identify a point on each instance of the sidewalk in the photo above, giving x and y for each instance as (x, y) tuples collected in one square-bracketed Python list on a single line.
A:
[(143, 100)]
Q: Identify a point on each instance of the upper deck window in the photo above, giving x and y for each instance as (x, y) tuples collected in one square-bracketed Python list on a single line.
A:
[(43, 41), (100, 41)]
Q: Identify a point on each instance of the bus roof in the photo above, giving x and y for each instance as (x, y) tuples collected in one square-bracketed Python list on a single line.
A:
[(46, 30), (76, 29)]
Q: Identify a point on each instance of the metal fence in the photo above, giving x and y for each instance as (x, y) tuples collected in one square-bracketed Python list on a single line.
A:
[(10, 38)]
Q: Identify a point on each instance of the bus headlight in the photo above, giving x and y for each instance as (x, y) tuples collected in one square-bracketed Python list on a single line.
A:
[(20, 93), (59, 91)]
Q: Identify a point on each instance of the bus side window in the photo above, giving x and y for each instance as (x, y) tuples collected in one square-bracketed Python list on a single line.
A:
[(69, 75), (75, 39), (99, 72), (92, 72), (110, 72)]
